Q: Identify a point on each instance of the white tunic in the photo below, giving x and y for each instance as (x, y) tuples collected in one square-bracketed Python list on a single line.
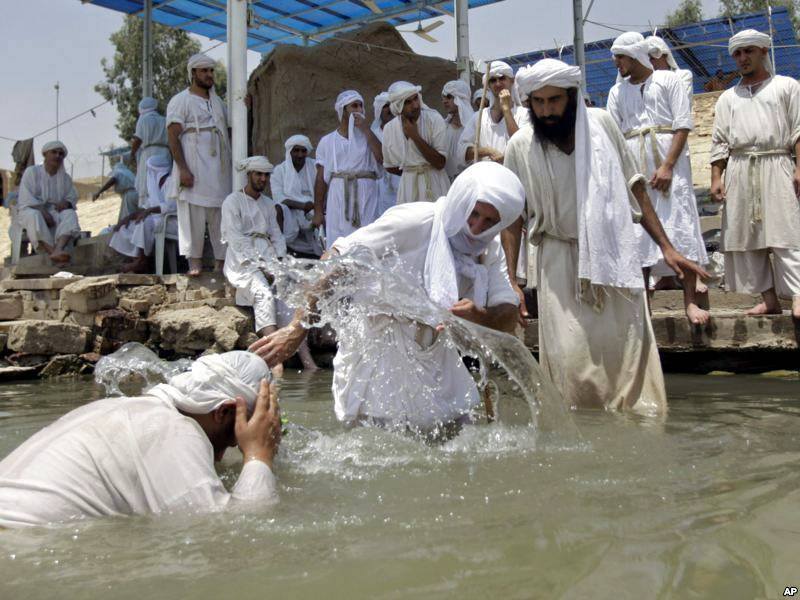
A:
[(289, 184), (761, 209), (120, 456), (388, 184), (455, 163), (132, 238), (661, 101), (125, 186), (493, 135), (205, 148), (420, 181), (399, 371), (38, 188), (151, 129), (338, 154)]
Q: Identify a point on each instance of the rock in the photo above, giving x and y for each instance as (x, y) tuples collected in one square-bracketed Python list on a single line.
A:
[(12, 373), (89, 295), (44, 283), (3, 341), (64, 364), (115, 327), (22, 359), (40, 304), (78, 318), (10, 306), (195, 330), (142, 298), (782, 374), (90, 357), (47, 337)]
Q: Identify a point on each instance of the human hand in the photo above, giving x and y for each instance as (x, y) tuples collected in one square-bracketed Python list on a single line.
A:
[(318, 220), (679, 263), (467, 309), (48, 218), (523, 309), (717, 191), (63, 205), (662, 178), (360, 121), (497, 156), (308, 207), (187, 179), (259, 437), (409, 128), (506, 102), (139, 215), (281, 345)]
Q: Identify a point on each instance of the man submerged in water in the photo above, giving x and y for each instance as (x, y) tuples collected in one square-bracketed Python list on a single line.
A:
[(396, 371)]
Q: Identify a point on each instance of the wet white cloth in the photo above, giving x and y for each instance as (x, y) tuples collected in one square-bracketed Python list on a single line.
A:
[(751, 37), (655, 109), (755, 131), (250, 228), (38, 189), (151, 129), (633, 45), (752, 271), (420, 181), (125, 187)]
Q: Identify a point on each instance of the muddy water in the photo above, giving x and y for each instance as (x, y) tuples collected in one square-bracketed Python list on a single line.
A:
[(702, 504)]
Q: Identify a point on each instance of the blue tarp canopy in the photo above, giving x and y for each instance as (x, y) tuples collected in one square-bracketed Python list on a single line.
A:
[(700, 47), (286, 21)]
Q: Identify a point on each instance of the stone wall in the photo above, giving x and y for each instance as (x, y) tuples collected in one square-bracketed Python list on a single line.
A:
[(700, 139)]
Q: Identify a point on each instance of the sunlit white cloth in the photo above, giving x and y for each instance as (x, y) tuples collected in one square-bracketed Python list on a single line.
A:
[(459, 90), (658, 48), (151, 129), (125, 186), (40, 189), (135, 455)]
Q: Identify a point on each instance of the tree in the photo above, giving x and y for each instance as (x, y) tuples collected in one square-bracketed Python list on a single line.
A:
[(688, 11), (123, 84), (729, 8)]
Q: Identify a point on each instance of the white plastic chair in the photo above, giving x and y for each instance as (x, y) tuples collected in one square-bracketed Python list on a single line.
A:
[(161, 237)]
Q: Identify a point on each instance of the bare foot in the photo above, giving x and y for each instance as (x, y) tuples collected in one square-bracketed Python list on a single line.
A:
[(309, 366), (762, 309), (696, 315), (59, 257), (700, 287), (796, 308)]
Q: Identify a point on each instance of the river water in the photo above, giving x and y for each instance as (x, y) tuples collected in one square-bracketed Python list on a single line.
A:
[(701, 504)]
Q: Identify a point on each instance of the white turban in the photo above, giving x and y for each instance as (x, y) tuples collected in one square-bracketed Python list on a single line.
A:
[(459, 90), (399, 92), (657, 48), (633, 45), (298, 140), (378, 103), (199, 61), (453, 247), (751, 37), (259, 164), (478, 94), (345, 98), (147, 104), (499, 68), (547, 71), (54, 145), (213, 380)]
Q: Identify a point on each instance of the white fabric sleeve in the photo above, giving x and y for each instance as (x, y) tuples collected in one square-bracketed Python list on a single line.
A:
[(256, 483), (274, 232), (630, 168), (612, 105), (439, 134), (28, 192), (401, 228), (276, 184), (720, 149), (500, 290), (687, 79), (679, 104), (467, 139), (176, 110), (231, 222), (392, 155), (522, 116), (793, 107)]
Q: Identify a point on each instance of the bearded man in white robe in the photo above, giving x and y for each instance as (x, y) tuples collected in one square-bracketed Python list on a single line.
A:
[(255, 243), (415, 146), (388, 183), (662, 60), (292, 185), (134, 236), (756, 131), (583, 193), (348, 168), (149, 139), (197, 127), (404, 373), (654, 113), (456, 102), (47, 205), (124, 183), (151, 454)]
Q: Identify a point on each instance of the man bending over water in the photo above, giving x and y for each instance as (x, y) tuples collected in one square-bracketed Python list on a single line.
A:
[(153, 453)]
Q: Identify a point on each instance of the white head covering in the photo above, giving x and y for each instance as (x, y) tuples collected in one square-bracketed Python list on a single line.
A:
[(751, 37), (399, 92), (478, 94), (633, 44), (500, 69), (199, 61), (378, 103), (459, 90), (213, 380), (657, 48), (260, 164), (345, 98), (54, 145), (297, 140), (157, 166), (147, 104), (453, 247)]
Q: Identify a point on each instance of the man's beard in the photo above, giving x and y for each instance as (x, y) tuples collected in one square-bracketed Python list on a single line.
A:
[(556, 129)]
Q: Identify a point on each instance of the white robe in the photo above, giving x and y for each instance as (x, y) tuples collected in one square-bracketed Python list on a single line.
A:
[(151, 129), (493, 135), (455, 163), (120, 456), (661, 101), (337, 154), (39, 188), (125, 187), (398, 371), (250, 228), (420, 181), (599, 349), (132, 238), (287, 183), (388, 183)]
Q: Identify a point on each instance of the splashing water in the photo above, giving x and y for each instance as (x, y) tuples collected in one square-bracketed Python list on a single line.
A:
[(134, 364)]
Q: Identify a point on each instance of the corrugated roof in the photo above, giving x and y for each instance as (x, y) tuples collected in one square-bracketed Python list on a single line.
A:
[(700, 47), (287, 21)]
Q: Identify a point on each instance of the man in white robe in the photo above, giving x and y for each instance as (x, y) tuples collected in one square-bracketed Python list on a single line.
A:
[(456, 101), (149, 139), (292, 185), (153, 453), (388, 183), (255, 243), (662, 60), (756, 131), (134, 236), (404, 373), (499, 122), (124, 183), (47, 205), (348, 168), (197, 127), (583, 193), (415, 146), (654, 113), (476, 99)]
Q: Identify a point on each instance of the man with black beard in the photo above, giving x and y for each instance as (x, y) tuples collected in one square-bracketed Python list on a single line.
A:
[(583, 195)]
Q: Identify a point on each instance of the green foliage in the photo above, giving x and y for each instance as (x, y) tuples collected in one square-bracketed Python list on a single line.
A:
[(688, 11), (123, 77), (729, 8)]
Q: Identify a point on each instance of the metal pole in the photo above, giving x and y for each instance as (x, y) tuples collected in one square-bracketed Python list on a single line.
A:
[(147, 49), (771, 38), (58, 93), (577, 21), (228, 55), (237, 86), (462, 40)]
